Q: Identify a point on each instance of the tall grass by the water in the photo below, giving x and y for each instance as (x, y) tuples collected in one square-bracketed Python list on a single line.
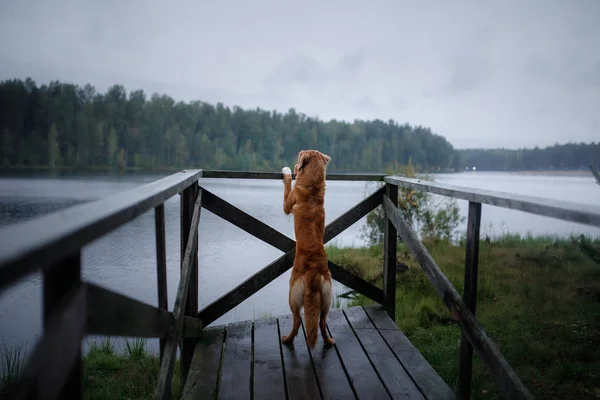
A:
[(538, 298)]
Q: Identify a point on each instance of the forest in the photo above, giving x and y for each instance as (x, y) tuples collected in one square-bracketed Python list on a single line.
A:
[(569, 156), (67, 125), (63, 125)]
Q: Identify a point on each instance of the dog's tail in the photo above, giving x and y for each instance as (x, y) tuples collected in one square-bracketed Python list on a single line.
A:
[(312, 306)]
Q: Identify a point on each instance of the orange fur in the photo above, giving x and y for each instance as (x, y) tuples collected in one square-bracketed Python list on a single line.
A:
[(310, 282)]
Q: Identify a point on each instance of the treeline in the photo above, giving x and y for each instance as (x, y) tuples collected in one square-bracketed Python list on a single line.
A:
[(568, 156), (63, 124)]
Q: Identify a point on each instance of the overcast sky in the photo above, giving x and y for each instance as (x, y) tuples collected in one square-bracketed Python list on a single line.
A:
[(481, 73)]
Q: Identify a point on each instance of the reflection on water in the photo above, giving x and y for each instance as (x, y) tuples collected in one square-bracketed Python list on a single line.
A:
[(125, 260)]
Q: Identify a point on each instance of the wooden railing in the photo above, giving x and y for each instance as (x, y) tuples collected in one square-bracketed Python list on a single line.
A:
[(463, 308), (73, 309)]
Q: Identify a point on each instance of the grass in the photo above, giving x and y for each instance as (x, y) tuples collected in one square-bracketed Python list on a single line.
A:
[(132, 374), (538, 299)]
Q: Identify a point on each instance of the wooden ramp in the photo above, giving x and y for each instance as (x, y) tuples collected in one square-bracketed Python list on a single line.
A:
[(372, 359)]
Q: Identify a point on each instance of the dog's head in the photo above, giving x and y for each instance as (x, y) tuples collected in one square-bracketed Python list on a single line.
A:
[(311, 160)]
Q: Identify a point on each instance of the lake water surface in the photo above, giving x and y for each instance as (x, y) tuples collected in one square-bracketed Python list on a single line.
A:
[(125, 260)]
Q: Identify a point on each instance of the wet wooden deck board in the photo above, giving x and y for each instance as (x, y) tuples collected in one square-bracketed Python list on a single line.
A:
[(372, 359)]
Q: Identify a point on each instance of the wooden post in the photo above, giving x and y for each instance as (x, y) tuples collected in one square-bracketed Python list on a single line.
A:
[(389, 256), (188, 198), (470, 297), (161, 265), (58, 282)]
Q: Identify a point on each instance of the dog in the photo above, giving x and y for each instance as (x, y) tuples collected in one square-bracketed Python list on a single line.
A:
[(310, 282)]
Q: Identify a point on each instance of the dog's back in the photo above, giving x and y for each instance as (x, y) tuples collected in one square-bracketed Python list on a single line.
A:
[(310, 283)]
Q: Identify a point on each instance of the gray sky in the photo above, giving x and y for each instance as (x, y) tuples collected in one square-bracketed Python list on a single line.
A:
[(481, 73)]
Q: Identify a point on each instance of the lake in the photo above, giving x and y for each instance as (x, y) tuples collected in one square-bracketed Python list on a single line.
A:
[(125, 260)]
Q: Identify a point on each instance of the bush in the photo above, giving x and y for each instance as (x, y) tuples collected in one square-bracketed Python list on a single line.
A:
[(431, 216)]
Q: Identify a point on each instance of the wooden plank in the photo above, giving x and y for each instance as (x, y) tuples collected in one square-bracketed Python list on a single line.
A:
[(161, 265), (353, 215), (332, 378), (268, 378), (470, 297), (364, 379), (42, 242), (203, 379), (113, 314), (59, 282), (278, 175), (395, 379), (356, 283), (300, 375), (163, 388), (568, 211), (389, 256), (60, 349), (422, 373), (262, 278), (235, 370), (509, 382), (187, 200), (242, 220)]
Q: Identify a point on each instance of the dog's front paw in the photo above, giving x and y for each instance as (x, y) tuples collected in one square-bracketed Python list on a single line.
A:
[(286, 171)]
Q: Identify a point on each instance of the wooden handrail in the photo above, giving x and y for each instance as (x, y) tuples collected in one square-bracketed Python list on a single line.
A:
[(510, 384), (565, 210), (279, 175), (40, 243)]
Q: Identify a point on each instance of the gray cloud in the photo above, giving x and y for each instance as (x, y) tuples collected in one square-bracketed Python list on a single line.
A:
[(488, 73)]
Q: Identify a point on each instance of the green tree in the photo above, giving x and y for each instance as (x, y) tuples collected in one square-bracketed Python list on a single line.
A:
[(53, 148)]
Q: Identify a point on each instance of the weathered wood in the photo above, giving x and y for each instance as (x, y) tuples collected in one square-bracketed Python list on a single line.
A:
[(262, 278), (279, 175), (422, 373), (509, 382), (52, 372), (163, 388), (187, 200), (356, 283), (469, 297), (203, 379), (565, 210), (59, 282), (42, 242), (300, 375), (161, 265), (353, 215), (242, 220), (363, 377), (332, 378), (389, 256), (241, 292), (236, 366), (113, 314), (268, 379), (395, 379)]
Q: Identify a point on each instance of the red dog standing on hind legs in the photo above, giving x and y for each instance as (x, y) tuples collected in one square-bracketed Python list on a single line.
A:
[(310, 282)]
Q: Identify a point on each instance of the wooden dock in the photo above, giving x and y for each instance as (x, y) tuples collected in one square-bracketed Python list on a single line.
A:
[(372, 359)]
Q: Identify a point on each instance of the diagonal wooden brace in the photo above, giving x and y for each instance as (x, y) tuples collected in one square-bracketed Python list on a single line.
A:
[(260, 230)]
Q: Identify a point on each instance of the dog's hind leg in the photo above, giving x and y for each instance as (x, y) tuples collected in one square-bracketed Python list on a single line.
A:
[(325, 305), (296, 299)]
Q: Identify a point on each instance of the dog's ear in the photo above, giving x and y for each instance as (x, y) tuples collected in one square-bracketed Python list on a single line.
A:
[(302, 159), (326, 158)]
